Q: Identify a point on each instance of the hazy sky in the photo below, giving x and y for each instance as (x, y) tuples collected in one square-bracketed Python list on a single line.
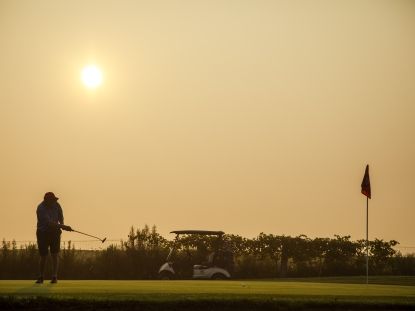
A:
[(245, 116)]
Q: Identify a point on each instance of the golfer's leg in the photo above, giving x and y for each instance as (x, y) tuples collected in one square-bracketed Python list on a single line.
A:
[(54, 251), (42, 265), (55, 263), (43, 253)]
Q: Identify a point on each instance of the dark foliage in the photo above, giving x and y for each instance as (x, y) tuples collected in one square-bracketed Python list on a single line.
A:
[(265, 256)]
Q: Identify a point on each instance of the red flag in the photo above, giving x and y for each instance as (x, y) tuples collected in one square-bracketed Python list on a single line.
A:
[(366, 183)]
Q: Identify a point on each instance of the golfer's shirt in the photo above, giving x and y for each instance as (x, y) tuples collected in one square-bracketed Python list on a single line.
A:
[(46, 215)]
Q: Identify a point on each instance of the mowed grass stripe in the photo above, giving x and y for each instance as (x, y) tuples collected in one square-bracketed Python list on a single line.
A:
[(386, 280), (218, 289)]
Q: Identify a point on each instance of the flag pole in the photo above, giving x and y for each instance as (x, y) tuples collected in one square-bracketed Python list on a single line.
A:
[(367, 240), (368, 193)]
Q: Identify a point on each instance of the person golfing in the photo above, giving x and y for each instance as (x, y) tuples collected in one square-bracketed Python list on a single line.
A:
[(50, 221)]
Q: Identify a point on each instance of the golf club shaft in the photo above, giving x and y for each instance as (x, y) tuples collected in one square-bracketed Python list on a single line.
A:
[(87, 234)]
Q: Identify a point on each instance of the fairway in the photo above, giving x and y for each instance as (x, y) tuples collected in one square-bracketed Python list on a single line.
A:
[(320, 294)]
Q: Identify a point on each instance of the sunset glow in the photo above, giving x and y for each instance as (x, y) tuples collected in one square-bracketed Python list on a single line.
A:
[(91, 76)]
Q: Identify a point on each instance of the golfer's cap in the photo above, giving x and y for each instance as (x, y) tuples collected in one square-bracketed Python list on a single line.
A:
[(50, 196)]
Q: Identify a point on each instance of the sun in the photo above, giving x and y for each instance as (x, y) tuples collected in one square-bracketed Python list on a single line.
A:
[(91, 76)]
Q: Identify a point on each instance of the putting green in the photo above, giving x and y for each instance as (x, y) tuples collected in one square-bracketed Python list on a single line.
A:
[(171, 290)]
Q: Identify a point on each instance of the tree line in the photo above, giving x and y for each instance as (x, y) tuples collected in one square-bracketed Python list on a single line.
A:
[(265, 256)]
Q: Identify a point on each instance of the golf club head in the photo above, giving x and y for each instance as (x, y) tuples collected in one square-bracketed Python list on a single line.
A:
[(103, 240)]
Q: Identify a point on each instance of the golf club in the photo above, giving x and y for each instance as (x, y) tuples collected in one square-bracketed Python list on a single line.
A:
[(102, 240)]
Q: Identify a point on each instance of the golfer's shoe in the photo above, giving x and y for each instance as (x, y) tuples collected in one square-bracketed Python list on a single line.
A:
[(39, 280), (54, 280)]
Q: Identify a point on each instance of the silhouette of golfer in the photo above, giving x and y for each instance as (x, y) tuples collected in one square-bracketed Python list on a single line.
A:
[(48, 233)]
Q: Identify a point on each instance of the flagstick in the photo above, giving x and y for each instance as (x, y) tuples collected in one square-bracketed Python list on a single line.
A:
[(367, 240)]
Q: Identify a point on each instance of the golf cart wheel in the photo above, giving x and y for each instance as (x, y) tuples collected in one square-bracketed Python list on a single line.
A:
[(166, 275), (219, 276)]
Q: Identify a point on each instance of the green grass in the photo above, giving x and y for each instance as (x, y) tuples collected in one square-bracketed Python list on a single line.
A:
[(385, 280), (270, 294)]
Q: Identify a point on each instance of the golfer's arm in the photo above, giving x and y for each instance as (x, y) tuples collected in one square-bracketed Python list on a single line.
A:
[(54, 224), (60, 225), (61, 221)]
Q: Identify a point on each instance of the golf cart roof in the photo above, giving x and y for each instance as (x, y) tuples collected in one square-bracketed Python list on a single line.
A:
[(201, 232)]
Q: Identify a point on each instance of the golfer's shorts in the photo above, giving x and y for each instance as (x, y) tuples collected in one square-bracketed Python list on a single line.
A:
[(48, 240)]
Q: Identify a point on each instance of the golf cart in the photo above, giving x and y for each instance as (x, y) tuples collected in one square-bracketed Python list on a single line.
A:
[(216, 267)]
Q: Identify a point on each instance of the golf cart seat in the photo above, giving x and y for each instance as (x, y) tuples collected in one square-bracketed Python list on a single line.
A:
[(210, 260)]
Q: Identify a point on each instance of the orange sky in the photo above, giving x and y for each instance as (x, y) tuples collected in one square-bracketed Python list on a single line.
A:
[(244, 116)]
